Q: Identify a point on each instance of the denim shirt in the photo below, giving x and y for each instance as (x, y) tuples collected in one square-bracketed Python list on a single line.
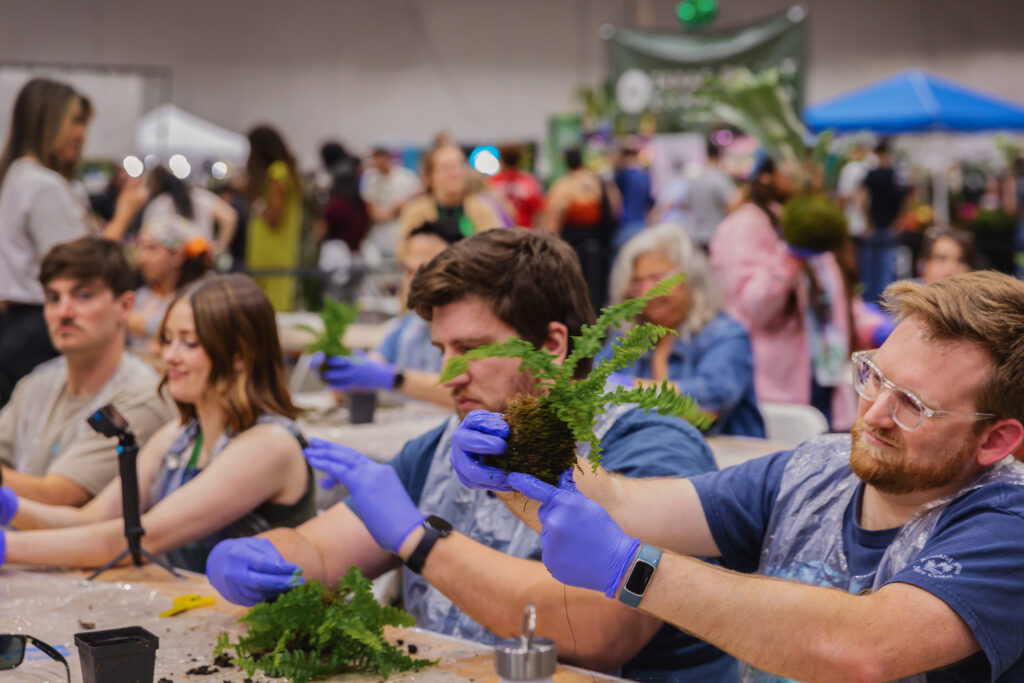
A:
[(715, 367)]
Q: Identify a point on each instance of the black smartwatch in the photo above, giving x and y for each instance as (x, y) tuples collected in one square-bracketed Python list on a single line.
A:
[(398, 380), (433, 528)]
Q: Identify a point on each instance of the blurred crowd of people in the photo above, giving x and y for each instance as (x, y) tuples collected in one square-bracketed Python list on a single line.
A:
[(801, 312)]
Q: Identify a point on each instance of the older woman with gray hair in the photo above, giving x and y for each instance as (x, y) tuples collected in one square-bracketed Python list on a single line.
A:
[(710, 356)]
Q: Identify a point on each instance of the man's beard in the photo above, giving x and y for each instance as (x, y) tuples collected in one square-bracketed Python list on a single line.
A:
[(889, 470)]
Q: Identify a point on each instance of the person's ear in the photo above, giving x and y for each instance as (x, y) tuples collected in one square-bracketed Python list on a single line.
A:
[(125, 304), (557, 341), (999, 441)]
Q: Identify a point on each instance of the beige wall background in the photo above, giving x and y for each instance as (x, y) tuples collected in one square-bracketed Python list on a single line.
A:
[(397, 71)]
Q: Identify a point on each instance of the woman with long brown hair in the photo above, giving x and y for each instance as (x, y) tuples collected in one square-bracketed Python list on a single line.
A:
[(230, 466), (38, 210)]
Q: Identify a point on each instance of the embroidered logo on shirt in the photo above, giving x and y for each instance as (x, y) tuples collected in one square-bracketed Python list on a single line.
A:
[(938, 567)]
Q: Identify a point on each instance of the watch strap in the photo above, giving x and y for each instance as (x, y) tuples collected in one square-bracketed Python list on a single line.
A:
[(644, 564), (430, 535), (398, 380)]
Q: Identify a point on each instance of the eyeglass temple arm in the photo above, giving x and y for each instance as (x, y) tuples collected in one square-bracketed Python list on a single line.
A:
[(52, 652)]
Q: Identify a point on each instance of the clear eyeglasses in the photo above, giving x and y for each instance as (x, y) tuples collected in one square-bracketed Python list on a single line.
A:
[(12, 651), (908, 411)]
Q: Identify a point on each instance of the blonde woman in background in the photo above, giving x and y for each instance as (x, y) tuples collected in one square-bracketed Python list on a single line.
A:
[(450, 199)]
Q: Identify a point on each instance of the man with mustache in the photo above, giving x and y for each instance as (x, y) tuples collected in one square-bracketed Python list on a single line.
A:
[(471, 566), (891, 553), (47, 451)]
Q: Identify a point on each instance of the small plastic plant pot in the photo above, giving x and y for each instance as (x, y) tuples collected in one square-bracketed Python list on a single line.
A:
[(125, 655), (361, 406)]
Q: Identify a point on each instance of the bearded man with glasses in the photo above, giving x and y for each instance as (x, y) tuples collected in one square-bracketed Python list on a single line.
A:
[(893, 553)]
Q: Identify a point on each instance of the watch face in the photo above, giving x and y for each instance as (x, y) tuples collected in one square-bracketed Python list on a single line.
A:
[(639, 577), (441, 525)]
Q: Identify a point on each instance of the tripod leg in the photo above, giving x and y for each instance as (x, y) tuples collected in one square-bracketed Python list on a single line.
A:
[(109, 565), (157, 561), (117, 560)]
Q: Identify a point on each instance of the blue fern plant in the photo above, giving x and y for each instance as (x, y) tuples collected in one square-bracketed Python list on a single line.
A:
[(546, 427)]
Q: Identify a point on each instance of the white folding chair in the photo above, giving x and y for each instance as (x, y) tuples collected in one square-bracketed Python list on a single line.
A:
[(792, 422)]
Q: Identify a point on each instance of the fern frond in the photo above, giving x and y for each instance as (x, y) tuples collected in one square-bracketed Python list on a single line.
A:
[(591, 337), (312, 632), (578, 402), (538, 361), (626, 350), (666, 400)]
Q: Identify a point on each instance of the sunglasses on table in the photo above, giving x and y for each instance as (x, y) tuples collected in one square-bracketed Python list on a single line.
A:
[(12, 651)]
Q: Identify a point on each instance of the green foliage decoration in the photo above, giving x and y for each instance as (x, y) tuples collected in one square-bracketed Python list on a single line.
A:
[(755, 104), (313, 631), (576, 403), (336, 317)]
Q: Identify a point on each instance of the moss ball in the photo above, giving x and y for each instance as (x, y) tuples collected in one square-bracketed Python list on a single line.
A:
[(539, 443), (813, 222)]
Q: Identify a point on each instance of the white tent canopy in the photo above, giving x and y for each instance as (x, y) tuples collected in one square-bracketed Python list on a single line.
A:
[(168, 130)]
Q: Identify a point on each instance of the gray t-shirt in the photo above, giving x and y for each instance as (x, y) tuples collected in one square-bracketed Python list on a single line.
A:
[(37, 211), (710, 194), (43, 429)]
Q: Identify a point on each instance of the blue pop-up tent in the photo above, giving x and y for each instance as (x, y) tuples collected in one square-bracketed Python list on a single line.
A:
[(914, 101)]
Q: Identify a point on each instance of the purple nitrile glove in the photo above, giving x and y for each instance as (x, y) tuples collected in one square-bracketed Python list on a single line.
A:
[(378, 496), (582, 545), (356, 373), (481, 433), (250, 570), (8, 505), (3, 547)]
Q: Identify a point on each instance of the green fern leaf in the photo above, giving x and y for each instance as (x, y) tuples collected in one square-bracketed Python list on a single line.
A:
[(578, 402), (312, 631)]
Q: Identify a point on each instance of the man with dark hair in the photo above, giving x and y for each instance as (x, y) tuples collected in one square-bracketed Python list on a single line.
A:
[(886, 197), (49, 453), (471, 565)]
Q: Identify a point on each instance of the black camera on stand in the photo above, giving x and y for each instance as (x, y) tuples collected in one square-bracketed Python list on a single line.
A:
[(108, 422)]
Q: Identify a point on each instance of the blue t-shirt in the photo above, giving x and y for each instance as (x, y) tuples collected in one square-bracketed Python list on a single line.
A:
[(635, 188), (715, 367), (637, 444), (973, 560)]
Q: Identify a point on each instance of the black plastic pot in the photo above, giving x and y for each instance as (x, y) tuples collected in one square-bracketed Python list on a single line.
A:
[(361, 406), (125, 655)]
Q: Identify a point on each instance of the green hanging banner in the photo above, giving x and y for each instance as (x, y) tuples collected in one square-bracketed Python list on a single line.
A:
[(656, 73)]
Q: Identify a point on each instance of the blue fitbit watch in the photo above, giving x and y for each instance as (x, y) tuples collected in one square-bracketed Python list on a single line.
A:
[(639, 575)]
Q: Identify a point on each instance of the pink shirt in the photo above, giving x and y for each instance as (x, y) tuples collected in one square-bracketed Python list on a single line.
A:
[(765, 290)]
